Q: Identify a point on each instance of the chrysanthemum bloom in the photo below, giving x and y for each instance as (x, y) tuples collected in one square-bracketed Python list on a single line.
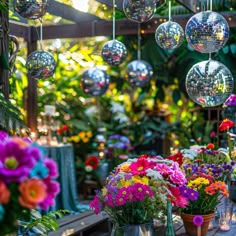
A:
[(96, 205), (124, 167), (15, 162), (92, 161), (178, 199), (198, 220), (226, 124), (210, 146), (33, 191), (51, 166), (52, 189), (4, 193), (139, 167)]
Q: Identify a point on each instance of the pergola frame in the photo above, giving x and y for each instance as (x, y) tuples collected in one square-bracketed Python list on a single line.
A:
[(86, 25)]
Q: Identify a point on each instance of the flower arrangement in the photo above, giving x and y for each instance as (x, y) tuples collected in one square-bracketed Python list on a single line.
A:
[(137, 190), (202, 192), (82, 136), (26, 181), (119, 147), (207, 160)]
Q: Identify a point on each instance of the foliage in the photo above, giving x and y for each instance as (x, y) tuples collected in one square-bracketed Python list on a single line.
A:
[(137, 188), (43, 223), (26, 181)]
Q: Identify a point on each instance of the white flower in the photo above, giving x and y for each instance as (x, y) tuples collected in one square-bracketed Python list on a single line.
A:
[(88, 168), (117, 107), (155, 174)]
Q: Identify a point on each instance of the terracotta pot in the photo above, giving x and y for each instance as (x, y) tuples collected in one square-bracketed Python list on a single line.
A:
[(191, 228)]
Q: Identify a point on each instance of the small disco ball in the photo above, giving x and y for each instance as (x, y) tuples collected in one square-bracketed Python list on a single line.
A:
[(95, 81), (40, 64), (207, 31), (114, 52), (209, 83), (139, 10), (139, 73), (169, 35), (31, 9)]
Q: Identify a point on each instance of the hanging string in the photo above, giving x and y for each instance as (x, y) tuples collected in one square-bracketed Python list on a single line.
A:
[(114, 20), (207, 5), (41, 33), (139, 42), (209, 56), (210, 5), (170, 10)]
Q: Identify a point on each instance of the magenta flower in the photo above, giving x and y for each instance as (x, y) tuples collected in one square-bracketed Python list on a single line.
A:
[(96, 205), (3, 136), (52, 188), (15, 162), (52, 167), (198, 220), (164, 169), (120, 200)]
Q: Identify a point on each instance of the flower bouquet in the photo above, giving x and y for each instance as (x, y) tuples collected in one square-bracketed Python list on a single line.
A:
[(137, 190), (26, 181), (119, 147)]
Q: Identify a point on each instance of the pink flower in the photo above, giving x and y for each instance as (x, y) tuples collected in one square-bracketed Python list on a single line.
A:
[(164, 169), (139, 167)]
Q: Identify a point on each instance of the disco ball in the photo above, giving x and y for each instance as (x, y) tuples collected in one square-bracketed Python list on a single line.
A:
[(139, 10), (95, 81), (169, 35), (40, 64), (209, 83), (139, 73), (114, 52), (207, 31), (31, 9)]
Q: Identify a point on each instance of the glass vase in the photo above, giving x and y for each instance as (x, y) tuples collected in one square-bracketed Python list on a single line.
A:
[(146, 229)]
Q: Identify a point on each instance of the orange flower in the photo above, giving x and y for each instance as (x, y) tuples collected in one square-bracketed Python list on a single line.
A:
[(4, 193), (20, 142), (226, 124), (210, 146), (33, 191)]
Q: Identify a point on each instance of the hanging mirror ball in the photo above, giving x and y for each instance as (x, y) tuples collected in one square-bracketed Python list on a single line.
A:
[(139, 73), (40, 64), (95, 81), (139, 10), (114, 52), (207, 31), (169, 35), (31, 9), (209, 83)]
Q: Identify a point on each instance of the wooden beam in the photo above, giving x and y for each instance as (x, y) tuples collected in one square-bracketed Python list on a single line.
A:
[(19, 30), (123, 27), (119, 3), (191, 5), (4, 58), (69, 13)]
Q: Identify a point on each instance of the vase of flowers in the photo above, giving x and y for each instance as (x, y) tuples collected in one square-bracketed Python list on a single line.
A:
[(203, 193), (137, 190), (26, 181), (118, 149)]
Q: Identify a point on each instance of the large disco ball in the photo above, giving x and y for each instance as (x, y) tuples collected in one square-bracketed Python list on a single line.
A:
[(95, 81), (114, 52), (40, 64), (31, 9), (209, 83), (207, 31), (139, 73), (139, 10), (169, 35)]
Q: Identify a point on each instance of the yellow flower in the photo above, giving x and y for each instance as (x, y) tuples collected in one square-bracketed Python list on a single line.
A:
[(89, 134), (104, 191), (125, 183), (125, 167), (141, 180), (82, 134), (85, 140)]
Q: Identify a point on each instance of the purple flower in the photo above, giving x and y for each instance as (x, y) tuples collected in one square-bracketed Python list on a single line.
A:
[(52, 167), (189, 193), (231, 101), (115, 136), (198, 220), (15, 162), (124, 140), (3, 136), (120, 145)]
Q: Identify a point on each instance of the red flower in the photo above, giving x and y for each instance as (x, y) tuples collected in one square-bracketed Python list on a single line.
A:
[(212, 134), (177, 158), (60, 131), (226, 124), (210, 146), (65, 128), (92, 161)]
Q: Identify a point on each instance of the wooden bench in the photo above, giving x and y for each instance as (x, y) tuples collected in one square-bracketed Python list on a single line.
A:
[(83, 224)]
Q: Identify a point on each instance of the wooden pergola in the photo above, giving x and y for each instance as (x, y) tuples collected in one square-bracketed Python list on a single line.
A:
[(83, 25)]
